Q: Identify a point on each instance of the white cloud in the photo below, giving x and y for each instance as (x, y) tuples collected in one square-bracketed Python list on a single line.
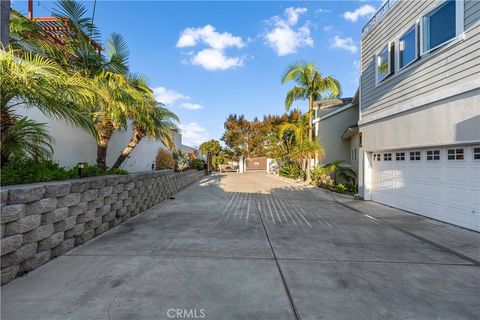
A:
[(365, 10), (213, 57), (284, 38), (344, 43), (168, 96), (193, 134), (172, 98), (190, 106)]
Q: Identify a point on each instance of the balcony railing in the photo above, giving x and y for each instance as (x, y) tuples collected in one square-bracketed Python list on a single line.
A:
[(387, 6)]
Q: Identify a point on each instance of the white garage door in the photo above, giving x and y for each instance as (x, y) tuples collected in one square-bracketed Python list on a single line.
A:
[(441, 183)]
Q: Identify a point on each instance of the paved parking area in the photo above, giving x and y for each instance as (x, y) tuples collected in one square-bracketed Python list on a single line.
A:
[(253, 246)]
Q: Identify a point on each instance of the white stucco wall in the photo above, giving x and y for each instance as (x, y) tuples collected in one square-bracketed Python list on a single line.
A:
[(73, 145), (451, 121)]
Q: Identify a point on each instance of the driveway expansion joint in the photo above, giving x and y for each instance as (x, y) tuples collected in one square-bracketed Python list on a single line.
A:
[(282, 276)]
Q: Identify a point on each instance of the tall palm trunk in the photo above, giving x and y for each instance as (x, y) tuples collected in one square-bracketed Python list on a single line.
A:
[(310, 134), (105, 131), (137, 135)]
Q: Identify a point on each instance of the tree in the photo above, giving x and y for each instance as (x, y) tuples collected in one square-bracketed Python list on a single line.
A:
[(302, 149), (246, 138), (211, 147), (310, 85), (35, 81), (122, 96), (159, 124)]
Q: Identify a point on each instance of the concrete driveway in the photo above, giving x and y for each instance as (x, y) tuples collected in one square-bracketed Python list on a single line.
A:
[(256, 247)]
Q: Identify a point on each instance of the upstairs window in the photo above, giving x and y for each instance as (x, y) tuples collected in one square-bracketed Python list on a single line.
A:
[(383, 61), (440, 25), (408, 47)]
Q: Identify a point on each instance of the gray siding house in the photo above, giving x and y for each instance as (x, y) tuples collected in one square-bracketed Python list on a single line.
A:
[(335, 126), (419, 120)]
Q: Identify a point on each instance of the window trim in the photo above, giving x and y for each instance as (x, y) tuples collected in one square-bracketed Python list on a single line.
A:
[(388, 45), (455, 153), (433, 154), (459, 24), (414, 151), (473, 153), (417, 46), (399, 155)]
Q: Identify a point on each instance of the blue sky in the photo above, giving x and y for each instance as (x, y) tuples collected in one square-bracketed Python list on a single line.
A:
[(209, 59)]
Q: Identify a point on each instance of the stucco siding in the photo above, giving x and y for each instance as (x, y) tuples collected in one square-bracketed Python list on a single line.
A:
[(330, 132), (451, 121), (454, 64), (73, 145)]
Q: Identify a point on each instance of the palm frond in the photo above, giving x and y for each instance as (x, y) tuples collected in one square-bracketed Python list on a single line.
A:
[(26, 139)]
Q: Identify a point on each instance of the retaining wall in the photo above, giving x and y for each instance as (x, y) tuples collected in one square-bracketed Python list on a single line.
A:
[(44, 220)]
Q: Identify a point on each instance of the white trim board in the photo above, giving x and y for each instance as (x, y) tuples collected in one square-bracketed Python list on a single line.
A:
[(441, 95), (332, 113)]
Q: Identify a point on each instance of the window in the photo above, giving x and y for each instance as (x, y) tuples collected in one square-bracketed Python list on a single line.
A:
[(383, 63), (440, 25), (354, 154), (387, 157), (433, 154), (476, 153), (407, 47), (377, 157), (415, 155), (455, 154), (400, 156)]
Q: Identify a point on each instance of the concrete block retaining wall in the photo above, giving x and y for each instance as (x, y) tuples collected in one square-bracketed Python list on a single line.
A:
[(44, 220)]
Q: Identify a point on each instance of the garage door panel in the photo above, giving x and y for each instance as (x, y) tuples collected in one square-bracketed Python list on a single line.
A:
[(433, 174), (447, 190)]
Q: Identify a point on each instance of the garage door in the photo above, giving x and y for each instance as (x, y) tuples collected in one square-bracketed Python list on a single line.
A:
[(440, 183)]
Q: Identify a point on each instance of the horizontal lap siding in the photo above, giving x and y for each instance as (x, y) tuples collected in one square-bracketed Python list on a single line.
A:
[(451, 65)]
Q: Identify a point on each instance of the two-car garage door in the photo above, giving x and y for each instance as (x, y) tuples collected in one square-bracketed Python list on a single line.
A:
[(441, 183)]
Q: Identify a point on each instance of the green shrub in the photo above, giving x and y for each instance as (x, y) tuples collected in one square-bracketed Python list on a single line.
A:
[(164, 160), (93, 170), (182, 159), (292, 170), (198, 164), (30, 171), (352, 188), (340, 188), (318, 173)]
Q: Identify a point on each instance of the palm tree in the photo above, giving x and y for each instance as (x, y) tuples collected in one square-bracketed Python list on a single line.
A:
[(310, 84), (303, 148), (35, 81), (159, 124), (25, 139), (122, 96)]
